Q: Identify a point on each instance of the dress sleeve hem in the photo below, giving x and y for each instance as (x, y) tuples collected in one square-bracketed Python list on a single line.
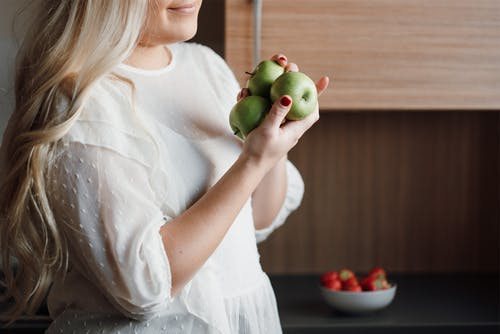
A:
[(293, 198)]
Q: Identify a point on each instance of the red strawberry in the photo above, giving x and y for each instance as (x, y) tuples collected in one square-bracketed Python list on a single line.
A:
[(353, 288), (371, 283), (334, 285), (345, 274), (330, 276), (365, 283), (378, 273), (349, 283)]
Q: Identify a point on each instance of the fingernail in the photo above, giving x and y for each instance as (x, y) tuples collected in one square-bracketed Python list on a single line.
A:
[(285, 101)]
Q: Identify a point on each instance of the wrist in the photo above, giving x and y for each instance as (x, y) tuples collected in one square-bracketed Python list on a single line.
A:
[(262, 161), (258, 164), (253, 161)]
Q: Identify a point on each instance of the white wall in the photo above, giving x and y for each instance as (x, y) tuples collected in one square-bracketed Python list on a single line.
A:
[(9, 40)]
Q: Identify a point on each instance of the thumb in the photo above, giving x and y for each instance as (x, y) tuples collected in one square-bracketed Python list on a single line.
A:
[(278, 111)]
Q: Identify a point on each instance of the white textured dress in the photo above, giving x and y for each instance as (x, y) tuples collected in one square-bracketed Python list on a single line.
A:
[(122, 172)]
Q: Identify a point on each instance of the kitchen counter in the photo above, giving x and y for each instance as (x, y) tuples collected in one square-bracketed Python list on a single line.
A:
[(444, 303)]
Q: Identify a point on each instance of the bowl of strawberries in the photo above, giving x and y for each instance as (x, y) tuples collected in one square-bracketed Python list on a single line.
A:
[(347, 293)]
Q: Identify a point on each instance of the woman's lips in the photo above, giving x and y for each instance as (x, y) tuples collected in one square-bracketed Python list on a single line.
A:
[(188, 8)]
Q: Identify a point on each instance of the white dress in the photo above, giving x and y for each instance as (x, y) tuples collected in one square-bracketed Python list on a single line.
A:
[(123, 172)]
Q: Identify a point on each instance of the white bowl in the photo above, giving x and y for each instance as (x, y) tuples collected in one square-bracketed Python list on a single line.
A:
[(359, 302)]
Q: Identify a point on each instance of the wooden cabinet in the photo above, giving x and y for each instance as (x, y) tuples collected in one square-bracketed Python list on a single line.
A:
[(409, 190), (382, 54)]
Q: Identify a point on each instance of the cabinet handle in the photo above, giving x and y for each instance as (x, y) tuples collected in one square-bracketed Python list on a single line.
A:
[(257, 25)]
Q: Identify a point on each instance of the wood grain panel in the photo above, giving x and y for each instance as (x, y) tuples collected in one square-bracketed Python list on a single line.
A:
[(382, 54), (411, 191)]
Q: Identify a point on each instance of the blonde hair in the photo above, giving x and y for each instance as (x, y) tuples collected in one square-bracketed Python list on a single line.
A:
[(70, 45)]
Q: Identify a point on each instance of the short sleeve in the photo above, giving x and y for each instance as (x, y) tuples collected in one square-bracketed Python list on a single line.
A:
[(293, 198), (105, 206)]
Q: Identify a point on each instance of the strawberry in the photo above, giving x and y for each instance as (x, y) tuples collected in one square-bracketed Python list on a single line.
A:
[(371, 283), (345, 274), (349, 283), (353, 288), (330, 276), (378, 273), (334, 285)]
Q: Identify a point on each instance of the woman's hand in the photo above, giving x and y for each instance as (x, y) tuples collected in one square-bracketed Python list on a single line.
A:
[(275, 136)]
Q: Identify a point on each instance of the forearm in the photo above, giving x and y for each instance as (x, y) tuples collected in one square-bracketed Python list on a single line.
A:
[(193, 236), (269, 195)]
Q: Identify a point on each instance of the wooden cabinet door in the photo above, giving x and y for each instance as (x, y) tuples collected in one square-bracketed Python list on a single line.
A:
[(381, 54)]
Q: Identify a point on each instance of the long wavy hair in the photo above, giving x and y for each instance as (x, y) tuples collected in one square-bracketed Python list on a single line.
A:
[(71, 44)]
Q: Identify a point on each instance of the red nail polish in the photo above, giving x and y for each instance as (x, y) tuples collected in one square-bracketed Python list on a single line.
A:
[(285, 101)]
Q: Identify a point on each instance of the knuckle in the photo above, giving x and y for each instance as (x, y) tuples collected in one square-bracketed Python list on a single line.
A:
[(280, 111), (267, 133)]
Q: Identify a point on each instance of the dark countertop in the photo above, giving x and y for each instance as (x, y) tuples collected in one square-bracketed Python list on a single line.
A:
[(442, 303)]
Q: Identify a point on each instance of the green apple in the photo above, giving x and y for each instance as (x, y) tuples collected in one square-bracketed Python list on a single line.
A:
[(247, 114), (301, 89), (263, 76)]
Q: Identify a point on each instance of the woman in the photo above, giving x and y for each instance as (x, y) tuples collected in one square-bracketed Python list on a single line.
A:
[(131, 202)]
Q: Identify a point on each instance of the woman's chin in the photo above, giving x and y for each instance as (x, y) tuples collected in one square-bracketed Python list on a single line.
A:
[(186, 34), (180, 35)]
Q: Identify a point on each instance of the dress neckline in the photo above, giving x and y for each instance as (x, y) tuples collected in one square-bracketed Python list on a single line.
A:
[(155, 72)]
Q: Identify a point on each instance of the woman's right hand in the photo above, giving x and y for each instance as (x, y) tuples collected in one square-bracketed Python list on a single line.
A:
[(275, 136)]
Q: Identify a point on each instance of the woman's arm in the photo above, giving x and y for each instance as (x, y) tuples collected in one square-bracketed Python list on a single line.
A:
[(193, 236), (269, 196)]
